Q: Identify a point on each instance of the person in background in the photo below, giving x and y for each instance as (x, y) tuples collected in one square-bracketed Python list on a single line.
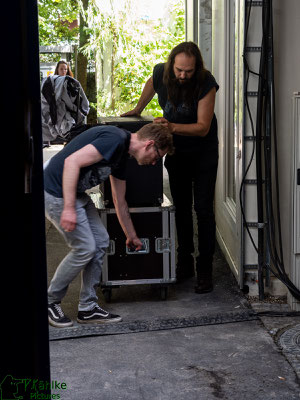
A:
[(186, 92), (62, 68), (64, 104), (83, 163)]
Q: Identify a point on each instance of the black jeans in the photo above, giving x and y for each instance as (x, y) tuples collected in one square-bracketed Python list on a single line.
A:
[(192, 179)]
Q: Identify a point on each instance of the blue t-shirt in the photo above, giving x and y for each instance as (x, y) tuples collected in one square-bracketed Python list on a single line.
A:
[(184, 114), (111, 142)]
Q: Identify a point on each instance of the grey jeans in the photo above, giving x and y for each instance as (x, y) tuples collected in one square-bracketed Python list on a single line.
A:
[(88, 243)]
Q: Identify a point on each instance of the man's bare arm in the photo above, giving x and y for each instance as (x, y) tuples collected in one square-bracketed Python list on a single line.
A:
[(118, 189), (146, 96), (84, 157)]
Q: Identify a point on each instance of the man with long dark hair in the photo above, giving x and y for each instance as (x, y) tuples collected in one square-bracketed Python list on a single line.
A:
[(186, 93)]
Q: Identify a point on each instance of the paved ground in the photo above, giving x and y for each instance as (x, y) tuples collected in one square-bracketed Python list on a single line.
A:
[(220, 356), (232, 361), (215, 361)]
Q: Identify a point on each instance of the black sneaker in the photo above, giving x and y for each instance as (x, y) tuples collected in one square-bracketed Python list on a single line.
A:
[(56, 316), (97, 316)]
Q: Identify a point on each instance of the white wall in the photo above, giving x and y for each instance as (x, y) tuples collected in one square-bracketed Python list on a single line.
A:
[(286, 17), (287, 80)]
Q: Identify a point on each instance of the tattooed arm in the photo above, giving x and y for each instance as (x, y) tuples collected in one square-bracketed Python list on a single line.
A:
[(118, 189)]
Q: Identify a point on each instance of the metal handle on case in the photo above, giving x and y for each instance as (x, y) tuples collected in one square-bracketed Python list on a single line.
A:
[(163, 245), (144, 250), (111, 248)]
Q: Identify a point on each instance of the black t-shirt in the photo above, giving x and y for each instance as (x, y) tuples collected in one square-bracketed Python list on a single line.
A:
[(111, 142), (184, 114)]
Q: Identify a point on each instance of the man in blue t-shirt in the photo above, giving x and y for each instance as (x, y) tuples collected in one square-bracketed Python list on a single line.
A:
[(90, 158), (186, 93)]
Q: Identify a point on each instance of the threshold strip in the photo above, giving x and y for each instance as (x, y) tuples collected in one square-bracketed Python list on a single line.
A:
[(157, 324)]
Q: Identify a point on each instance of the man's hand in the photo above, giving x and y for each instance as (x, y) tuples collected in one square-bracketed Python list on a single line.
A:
[(134, 243), (132, 113), (146, 96), (118, 190), (68, 219), (164, 122)]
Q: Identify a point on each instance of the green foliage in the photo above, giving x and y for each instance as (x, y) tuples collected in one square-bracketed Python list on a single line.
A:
[(125, 49), (133, 48), (54, 19)]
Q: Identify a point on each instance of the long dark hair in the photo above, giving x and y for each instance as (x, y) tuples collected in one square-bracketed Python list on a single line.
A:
[(69, 72), (193, 88)]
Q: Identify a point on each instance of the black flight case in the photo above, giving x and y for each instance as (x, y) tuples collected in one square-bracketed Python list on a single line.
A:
[(154, 264), (132, 124)]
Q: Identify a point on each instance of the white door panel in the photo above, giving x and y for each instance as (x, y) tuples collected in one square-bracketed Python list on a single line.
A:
[(227, 67)]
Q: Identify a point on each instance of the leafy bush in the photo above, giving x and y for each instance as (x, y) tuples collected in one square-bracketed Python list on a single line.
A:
[(123, 47), (131, 50)]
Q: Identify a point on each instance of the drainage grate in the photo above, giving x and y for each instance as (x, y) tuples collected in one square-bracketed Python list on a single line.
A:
[(289, 341), (151, 325)]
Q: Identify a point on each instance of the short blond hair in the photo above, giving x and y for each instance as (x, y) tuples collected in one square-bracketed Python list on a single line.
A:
[(160, 134)]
